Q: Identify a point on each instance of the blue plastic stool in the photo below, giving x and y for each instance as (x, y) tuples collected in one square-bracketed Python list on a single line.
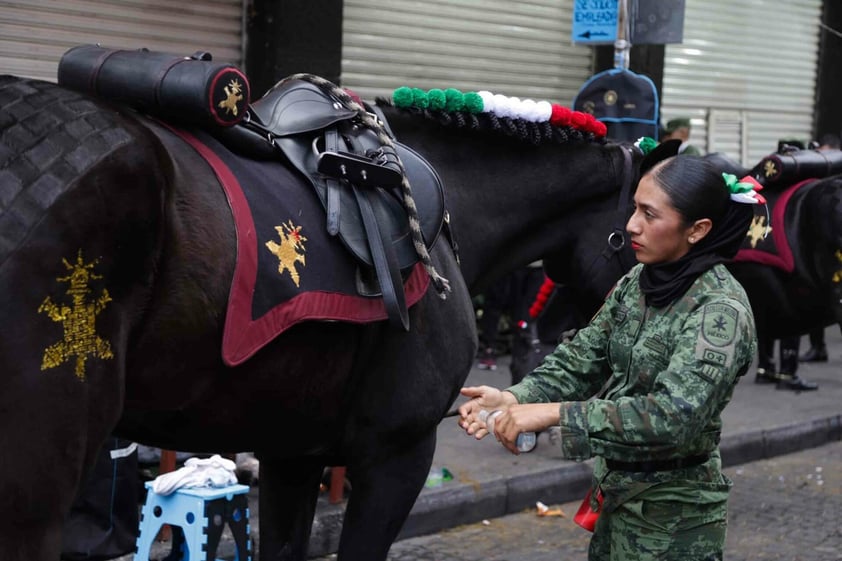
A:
[(198, 517)]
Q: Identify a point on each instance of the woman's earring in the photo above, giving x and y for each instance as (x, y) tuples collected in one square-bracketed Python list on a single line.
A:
[(692, 239)]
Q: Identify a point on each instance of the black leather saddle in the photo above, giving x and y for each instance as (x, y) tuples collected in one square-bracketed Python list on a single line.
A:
[(356, 177)]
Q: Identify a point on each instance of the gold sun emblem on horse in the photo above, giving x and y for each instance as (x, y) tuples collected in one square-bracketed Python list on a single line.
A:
[(233, 95), (758, 230), (290, 251), (78, 319)]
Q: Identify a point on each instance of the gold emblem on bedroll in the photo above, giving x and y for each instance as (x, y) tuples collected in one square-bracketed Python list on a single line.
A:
[(233, 95), (757, 230), (770, 169), (290, 251), (78, 319)]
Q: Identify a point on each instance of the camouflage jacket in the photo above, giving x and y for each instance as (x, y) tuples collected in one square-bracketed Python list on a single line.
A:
[(641, 383)]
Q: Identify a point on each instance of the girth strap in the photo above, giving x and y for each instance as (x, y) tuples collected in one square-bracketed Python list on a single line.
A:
[(332, 186), (385, 262)]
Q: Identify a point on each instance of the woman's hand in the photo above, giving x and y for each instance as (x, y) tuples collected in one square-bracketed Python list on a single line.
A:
[(482, 398), (526, 417)]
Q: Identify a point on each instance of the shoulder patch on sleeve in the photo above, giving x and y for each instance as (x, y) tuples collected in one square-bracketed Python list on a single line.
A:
[(712, 356), (719, 324), (710, 373)]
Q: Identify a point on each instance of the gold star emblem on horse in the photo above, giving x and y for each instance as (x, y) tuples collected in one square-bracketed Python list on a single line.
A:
[(758, 230), (233, 95), (290, 251), (78, 319)]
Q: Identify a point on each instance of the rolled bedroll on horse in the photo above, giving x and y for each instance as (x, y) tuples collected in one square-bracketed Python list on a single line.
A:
[(129, 243), (187, 89), (782, 169)]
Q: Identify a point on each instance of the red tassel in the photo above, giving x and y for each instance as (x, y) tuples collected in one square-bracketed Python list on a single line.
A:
[(541, 298)]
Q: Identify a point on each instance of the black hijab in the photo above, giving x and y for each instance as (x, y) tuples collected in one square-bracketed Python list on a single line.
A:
[(663, 283)]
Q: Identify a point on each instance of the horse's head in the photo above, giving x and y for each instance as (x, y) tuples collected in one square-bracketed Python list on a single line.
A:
[(601, 252)]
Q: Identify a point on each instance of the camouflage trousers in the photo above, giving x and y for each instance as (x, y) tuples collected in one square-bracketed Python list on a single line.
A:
[(645, 530)]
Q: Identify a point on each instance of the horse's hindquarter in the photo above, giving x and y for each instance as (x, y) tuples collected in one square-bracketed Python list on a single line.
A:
[(814, 231), (814, 227), (81, 227), (80, 224)]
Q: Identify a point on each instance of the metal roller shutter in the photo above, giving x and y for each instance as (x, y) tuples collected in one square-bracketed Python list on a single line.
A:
[(35, 33), (519, 49), (745, 74)]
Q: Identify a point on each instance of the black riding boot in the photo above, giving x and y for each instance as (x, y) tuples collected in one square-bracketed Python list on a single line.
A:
[(788, 378), (766, 376), (765, 371), (795, 382), (815, 354)]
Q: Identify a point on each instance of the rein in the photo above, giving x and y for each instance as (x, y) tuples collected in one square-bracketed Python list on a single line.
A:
[(616, 240)]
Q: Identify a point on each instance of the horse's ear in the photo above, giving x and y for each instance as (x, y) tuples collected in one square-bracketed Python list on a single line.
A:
[(661, 152)]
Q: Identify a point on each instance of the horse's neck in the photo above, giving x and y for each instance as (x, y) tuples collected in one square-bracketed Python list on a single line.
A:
[(509, 202)]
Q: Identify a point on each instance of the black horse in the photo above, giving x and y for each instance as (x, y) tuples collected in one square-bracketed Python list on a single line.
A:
[(117, 250)]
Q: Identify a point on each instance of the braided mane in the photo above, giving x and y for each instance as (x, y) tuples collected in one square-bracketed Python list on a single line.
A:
[(542, 132), (527, 120)]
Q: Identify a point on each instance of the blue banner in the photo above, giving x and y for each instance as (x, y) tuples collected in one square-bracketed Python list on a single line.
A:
[(595, 21)]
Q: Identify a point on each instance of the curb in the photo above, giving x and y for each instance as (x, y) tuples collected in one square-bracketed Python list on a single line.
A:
[(465, 503)]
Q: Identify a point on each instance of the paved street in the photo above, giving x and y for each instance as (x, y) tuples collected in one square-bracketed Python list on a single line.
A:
[(787, 508)]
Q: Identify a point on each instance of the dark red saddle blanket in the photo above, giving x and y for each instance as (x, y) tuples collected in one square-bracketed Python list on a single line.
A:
[(288, 268), (766, 241)]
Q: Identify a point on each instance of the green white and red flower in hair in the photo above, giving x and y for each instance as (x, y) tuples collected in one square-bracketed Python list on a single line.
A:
[(500, 105), (745, 190)]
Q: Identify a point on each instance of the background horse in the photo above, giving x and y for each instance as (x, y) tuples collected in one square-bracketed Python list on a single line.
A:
[(117, 249), (790, 304)]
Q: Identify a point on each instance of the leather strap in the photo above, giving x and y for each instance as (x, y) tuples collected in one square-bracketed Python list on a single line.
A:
[(332, 186), (448, 229), (616, 240), (378, 111), (385, 262)]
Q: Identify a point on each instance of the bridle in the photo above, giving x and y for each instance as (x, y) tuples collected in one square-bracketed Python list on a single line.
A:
[(616, 241)]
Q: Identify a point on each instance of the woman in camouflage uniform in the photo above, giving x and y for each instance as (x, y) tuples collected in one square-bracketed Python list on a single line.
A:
[(643, 386)]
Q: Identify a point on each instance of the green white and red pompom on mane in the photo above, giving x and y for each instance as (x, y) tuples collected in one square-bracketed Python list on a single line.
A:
[(452, 100)]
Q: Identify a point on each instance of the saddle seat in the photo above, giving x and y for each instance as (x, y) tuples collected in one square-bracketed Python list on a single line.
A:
[(356, 177)]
